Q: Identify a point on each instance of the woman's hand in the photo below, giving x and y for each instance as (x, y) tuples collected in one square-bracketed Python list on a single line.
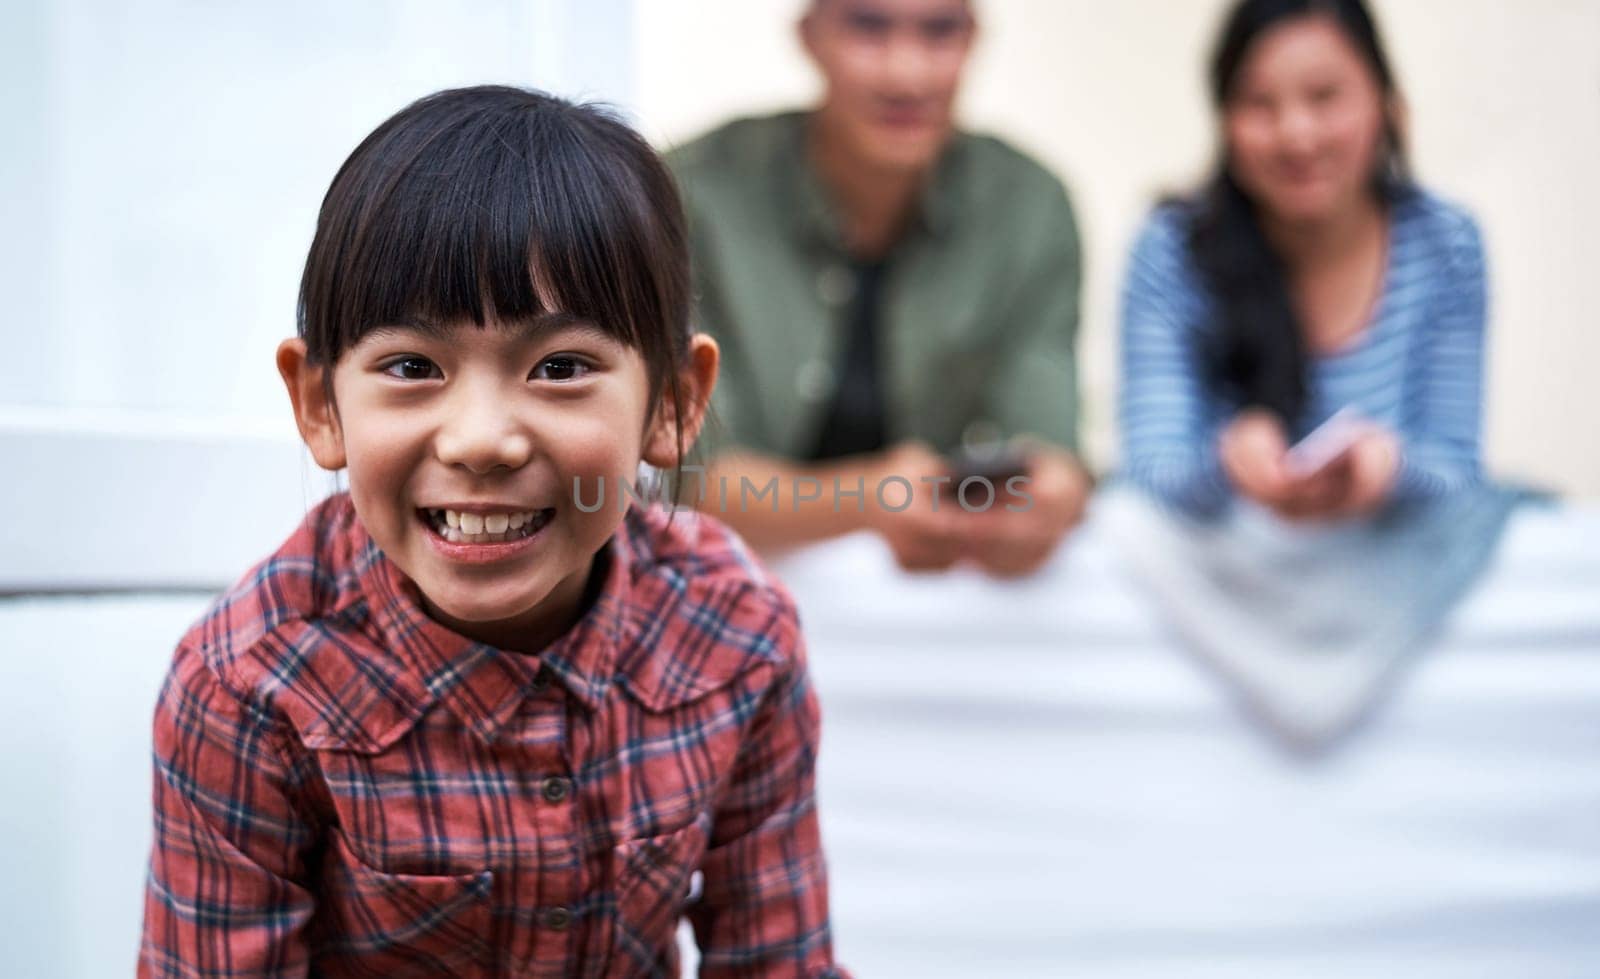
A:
[(1254, 452), (1252, 449), (1373, 468)]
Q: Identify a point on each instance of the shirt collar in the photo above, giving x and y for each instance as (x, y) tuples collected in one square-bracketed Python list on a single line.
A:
[(937, 204), (482, 685)]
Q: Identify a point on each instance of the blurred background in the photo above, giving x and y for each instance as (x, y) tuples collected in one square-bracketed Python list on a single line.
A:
[(163, 165), (165, 160)]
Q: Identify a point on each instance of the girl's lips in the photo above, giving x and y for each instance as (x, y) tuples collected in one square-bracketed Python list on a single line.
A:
[(485, 552)]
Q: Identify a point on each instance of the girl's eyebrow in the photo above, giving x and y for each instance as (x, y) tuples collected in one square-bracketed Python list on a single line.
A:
[(538, 327)]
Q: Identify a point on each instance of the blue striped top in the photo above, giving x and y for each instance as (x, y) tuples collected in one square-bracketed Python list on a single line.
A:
[(1417, 368)]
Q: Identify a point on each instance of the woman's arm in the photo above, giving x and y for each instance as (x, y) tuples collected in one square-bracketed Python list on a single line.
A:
[(1443, 427), (1168, 446)]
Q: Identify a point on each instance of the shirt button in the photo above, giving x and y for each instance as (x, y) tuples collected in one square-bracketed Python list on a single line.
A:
[(981, 435), (835, 285), (557, 919), (814, 381), (555, 789)]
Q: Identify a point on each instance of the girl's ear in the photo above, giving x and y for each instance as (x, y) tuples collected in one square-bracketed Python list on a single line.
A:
[(311, 393), (696, 383)]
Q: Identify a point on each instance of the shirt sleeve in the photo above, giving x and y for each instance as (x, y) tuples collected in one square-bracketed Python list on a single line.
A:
[(1035, 389), (1168, 437), (735, 419), (763, 909), (1441, 443), (225, 894)]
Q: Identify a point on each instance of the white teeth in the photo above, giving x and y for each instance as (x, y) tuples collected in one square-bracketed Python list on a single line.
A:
[(479, 528)]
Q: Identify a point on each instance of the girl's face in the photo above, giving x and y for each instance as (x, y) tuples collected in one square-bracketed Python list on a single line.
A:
[(1305, 122), (463, 445)]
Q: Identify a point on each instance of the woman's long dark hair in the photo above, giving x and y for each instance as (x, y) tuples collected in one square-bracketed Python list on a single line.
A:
[(1257, 353)]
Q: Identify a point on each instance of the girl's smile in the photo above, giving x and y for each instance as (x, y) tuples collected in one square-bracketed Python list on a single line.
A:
[(462, 443), (495, 311), (483, 534), (458, 440)]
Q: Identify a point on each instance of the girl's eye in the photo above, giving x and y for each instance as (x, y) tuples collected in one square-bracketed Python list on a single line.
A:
[(561, 367), (411, 369)]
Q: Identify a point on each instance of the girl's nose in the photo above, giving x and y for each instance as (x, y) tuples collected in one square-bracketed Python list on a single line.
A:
[(478, 434)]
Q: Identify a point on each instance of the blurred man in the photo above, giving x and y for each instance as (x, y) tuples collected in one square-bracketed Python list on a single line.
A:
[(890, 293)]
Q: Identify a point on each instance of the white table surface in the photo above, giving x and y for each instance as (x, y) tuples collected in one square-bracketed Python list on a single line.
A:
[(1034, 780), (1017, 780)]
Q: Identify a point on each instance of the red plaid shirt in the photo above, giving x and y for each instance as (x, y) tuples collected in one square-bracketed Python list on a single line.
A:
[(344, 787)]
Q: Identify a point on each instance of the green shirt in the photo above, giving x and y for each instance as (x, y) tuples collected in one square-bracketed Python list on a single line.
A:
[(979, 308)]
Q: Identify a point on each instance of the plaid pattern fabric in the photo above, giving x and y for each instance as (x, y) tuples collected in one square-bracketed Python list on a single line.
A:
[(343, 787)]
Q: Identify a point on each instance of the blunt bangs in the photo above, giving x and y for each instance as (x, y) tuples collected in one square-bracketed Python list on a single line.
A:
[(498, 205)]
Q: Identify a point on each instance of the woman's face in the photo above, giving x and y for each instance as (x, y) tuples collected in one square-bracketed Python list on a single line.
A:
[(1304, 123)]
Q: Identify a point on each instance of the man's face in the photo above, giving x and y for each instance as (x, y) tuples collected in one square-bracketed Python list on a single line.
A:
[(891, 70)]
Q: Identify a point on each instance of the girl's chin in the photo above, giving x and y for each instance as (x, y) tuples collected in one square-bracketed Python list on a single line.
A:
[(469, 614)]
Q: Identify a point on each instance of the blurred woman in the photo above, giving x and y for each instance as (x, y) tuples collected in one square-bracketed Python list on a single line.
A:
[(1310, 274)]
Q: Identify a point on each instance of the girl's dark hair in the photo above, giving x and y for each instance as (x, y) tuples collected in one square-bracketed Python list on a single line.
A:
[(499, 204), (1256, 350)]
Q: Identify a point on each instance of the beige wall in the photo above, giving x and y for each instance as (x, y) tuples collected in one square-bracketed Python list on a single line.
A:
[(1505, 110)]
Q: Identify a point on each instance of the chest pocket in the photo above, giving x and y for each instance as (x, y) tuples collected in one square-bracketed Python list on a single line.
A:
[(651, 879), (401, 925)]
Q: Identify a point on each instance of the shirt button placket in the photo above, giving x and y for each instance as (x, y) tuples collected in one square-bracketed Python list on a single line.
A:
[(814, 380), (555, 789), (540, 682), (836, 285), (560, 875)]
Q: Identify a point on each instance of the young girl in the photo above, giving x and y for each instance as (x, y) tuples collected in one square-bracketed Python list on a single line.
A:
[(1311, 274), (458, 725)]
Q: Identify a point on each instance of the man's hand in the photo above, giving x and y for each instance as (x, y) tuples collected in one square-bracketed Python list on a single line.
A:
[(926, 535), (1017, 541)]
